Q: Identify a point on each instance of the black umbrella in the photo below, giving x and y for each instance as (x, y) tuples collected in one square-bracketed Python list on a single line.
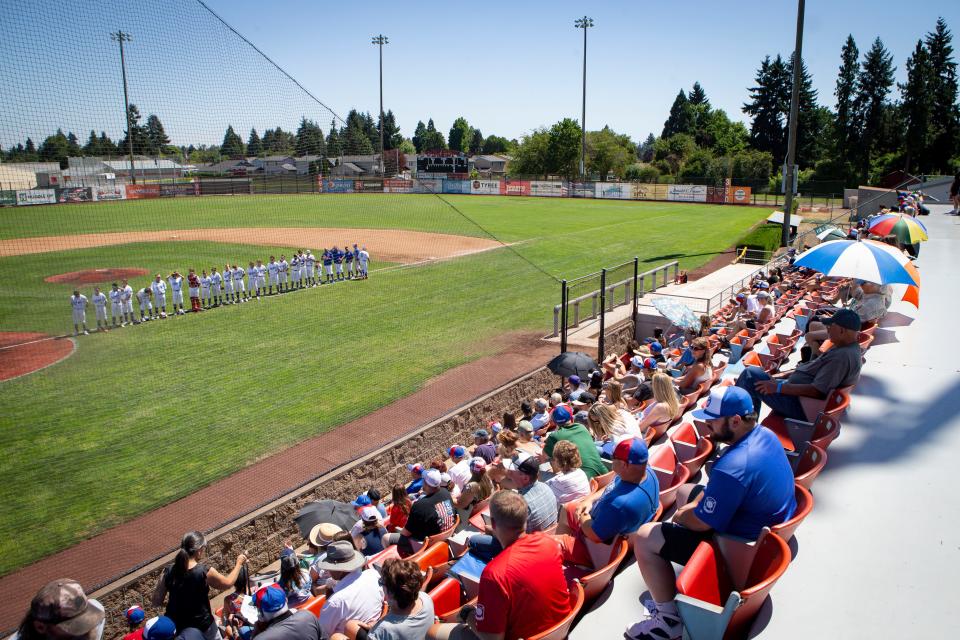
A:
[(339, 513), (572, 363)]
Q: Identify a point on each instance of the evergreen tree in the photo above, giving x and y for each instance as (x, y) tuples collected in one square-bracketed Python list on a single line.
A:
[(73, 145), (372, 132), (108, 147), (679, 118), (309, 139), (355, 138), (875, 79), (156, 137), (30, 150), (915, 109), (767, 107), (476, 142), (418, 136), (92, 147), (254, 144), (810, 131), (55, 148), (135, 132), (278, 142), (391, 132), (698, 95), (944, 111), (645, 149), (847, 123), (497, 144), (232, 145), (460, 134), (433, 139), (334, 146)]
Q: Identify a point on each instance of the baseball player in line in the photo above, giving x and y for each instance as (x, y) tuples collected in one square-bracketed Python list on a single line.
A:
[(126, 301), (116, 306), (159, 290), (363, 259), (253, 277), (294, 272), (146, 307), (284, 270), (273, 271), (79, 303), (228, 283), (239, 293), (99, 301), (176, 289), (216, 281), (311, 266), (205, 290), (327, 259), (194, 283)]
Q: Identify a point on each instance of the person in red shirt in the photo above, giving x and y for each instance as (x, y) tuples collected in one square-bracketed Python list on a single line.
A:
[(399, 508), (528, 570)]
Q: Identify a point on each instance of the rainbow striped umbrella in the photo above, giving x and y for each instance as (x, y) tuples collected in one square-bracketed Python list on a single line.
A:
[(908, 229), (870, 261)]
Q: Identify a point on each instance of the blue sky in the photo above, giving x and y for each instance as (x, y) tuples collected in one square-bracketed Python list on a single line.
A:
[(506, 67)]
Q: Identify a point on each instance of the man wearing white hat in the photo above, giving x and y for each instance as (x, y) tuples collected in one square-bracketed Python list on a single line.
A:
[(358, 594), (429, 515)]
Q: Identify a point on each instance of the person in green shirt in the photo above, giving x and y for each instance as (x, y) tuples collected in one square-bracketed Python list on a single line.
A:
[(576, 433)]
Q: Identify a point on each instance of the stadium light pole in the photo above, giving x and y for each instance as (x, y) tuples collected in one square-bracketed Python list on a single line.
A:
[(381, 40), (121, 37), (792, 129), (583, 23)]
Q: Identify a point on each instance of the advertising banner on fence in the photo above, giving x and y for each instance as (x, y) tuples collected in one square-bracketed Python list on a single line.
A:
[(517, 187), (738, 195), (456, 186), (428, 185), (338, 186), (115, 192), (180, 189), (548, 188), (36, 196), (687, 193), (8, 197), (75, 194), (394, 185), (716, 195), (368, 186), (486, 187), (141, 191), (582, 190), (615, 190)]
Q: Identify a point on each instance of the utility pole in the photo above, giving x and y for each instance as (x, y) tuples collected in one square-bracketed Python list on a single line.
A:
[(121, 37), (381, 40), (792, 129), (583, 23)]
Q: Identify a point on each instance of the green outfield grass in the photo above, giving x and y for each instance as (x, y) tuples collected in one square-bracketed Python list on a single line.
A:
[(141, 416)]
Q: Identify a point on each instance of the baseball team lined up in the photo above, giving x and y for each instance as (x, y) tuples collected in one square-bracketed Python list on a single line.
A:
[(210, 290)]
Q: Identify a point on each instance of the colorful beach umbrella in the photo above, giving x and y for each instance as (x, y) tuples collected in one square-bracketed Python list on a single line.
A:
[(906, 228), (870, 261), (677, 313)]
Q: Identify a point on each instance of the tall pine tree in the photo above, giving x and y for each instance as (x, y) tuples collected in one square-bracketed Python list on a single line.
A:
[(876, 80), (915, 109), (944, 112), (156, 137), (810, 131), (679, 119), (698, 95), (254, 144), (334, 145), (309, 139), (232, 146), (419, 135), (767, 107), (847, 123)]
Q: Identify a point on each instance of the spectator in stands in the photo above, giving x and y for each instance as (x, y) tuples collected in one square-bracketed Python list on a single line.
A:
[(583, 401), (429, 515), (540, 417), (574, 387), (134, 616), (656, 349), (750, 487), (577, 434), (838, 367), (869, 302), (368, 532), (609, 427), (645, 369), (483, 447), (663, 410), (478, 489), (630, 500), (275, 620), (526, 442), (509, 421), (375, 497), (526, 577), (231, 616), (399, 508), (570, 483), (416, 478), (294, 581), (523, 474), (596, 383), (410, 614), (613, 395), (187, 581), (62, 611), (700, 371), (460, 467), (321, 536), (556, 399), (506, 449), (358, 594)]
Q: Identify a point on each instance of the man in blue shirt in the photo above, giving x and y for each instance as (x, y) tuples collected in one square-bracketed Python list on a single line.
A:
[(750, 487)]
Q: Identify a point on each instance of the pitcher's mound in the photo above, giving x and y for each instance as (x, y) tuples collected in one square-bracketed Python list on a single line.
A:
[(23, 353), (95, 276)]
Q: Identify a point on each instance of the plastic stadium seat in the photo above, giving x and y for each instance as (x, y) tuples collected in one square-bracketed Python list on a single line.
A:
[(605, 479), (822, 430), (378, 559), (670, 473), (314, 605), (476, 520), (433, 557), (561, 630), (594, 581), (447, 599), (717, 599), (809, 465), (692, 450), (804, 506)]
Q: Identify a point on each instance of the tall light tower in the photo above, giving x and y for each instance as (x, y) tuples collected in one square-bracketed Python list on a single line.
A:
[(583, 23), (381, 40), (121, 37), (792, 129)]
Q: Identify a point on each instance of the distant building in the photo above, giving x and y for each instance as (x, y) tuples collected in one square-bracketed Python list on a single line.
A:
[(492, 165)]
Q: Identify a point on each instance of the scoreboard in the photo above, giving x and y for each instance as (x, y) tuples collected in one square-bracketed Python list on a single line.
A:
[(442, 162)]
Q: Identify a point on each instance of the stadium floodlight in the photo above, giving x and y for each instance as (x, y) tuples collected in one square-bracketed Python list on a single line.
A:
[(583, 23), (381, 40), (121, 37)]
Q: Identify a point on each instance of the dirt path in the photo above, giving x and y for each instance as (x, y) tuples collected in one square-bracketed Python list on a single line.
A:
[(388, 245), (113, 552), (23, 353)]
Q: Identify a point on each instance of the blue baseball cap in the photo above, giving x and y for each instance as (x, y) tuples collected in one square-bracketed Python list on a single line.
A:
[(725, 402), (631, 451), (415, 467), (270, 599), (574, 379), (160, 628), (363, 500), (560, 416), (135, 614), (846, 318), (656, 347), (456, 451), (246, 632)]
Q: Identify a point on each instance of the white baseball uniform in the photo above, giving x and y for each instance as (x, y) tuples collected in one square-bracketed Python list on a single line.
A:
[(100, 304), (273, 269), (238, 280), (362, 259), (311, 263), (204, 286), (126, 297), (228, 281), (176, 288), (253, 277), (116, 307), (79, 304), (215, 281), (143, 296), (159, 290), (284, 267), (262, 276), (294, 269)]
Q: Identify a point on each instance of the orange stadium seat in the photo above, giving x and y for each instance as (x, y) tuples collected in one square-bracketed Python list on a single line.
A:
[(804, 506), (561, 630), (809, 465)]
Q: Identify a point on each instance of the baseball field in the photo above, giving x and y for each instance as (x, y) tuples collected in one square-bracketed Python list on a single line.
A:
[(137, 417)]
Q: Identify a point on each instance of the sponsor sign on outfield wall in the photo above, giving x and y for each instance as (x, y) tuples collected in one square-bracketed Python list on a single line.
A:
[(141, 191), (615, 190), (115, 192), (486, 187), (75, 194), (338, 186), (456, 186), (368, 186), (36, 196), (738, 195), (516, 187), (181, 189), (582, 190), (687, 193), (8, 197), (428, 185), (394, 185), (548, 188)]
